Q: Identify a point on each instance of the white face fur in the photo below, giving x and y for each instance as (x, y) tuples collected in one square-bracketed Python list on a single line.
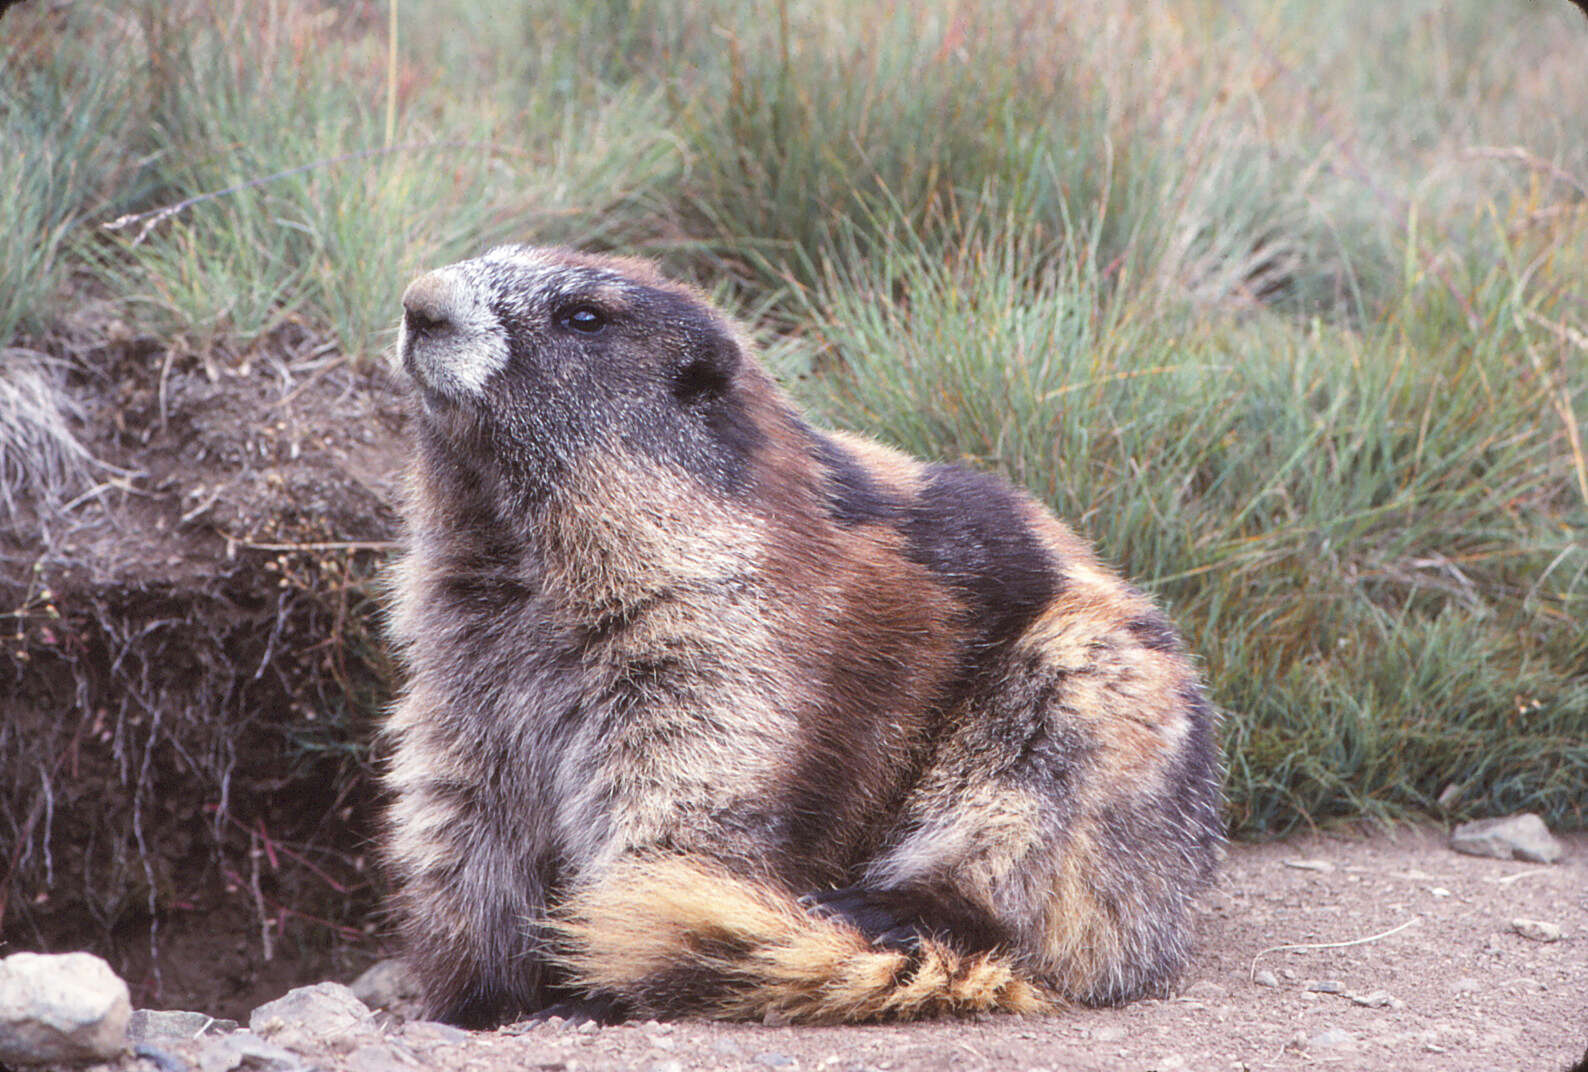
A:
[(451, 338)]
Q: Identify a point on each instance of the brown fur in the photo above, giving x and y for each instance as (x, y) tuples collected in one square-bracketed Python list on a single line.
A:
[(676, 659)]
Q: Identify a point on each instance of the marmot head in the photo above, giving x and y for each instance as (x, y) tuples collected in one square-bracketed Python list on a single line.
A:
[(527, 359)]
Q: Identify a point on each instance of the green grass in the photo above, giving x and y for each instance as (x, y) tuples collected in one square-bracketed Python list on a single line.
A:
[(1284, 308)]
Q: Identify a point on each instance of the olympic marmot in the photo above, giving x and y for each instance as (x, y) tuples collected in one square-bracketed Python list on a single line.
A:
[(710, 712)]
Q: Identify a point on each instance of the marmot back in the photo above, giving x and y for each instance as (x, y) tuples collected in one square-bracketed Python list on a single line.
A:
[(711, 712)]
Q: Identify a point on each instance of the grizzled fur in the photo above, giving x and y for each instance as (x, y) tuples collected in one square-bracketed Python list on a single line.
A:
[(709, 711)]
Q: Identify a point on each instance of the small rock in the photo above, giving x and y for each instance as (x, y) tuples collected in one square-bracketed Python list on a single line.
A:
[(774, 1060), (1524, 837), (148, 1024), (164, 1059), (1325, 1040), (433, 1033), (1321, 866), (386, 984), (1111, 1033), (1205, 990), (1326, 986), (666, 1066), (1536, 930), (1169, 1062), (1374, 999), (1265, 978), (375, 1057), (589, 1027), (727, 1046), (1466, 985), (310, 1017), (247, 1050), (60, 1008)]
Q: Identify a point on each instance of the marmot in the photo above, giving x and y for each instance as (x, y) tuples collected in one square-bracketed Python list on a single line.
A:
[(710, 712)]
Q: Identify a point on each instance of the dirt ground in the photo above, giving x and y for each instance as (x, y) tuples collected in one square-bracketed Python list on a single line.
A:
[(1453, 988)]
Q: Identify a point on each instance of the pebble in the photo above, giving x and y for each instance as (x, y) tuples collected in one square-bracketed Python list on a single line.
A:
[(774, 1060), (148, 1024), (1326, 986), (666, 1066), (1325, 1040), (1524, 837), (1265, 978), (1536, 930), (727, 1046), (246, 1050), (164, 1059), (589, 1027), (309, 1017), (1466, 985), (1375, 999), (376, 1058), (1111, 1033), (1323, 867), (386, 984), (60, 1008), (433, 1033)]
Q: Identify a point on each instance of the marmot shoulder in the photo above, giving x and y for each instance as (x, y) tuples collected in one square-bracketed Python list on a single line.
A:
[(711, 712)]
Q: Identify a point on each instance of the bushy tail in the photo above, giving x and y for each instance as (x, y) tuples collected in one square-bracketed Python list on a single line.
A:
[(679, 935)]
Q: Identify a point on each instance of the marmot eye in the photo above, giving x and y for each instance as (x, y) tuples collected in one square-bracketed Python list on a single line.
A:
[(582, 318)]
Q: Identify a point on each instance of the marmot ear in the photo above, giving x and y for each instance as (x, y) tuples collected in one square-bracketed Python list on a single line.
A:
[(711, 359)]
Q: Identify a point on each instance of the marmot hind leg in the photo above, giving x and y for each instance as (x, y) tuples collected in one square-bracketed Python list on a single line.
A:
[(1075, 806)]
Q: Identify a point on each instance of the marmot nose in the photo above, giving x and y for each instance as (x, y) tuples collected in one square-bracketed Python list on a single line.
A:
[(432, 303)]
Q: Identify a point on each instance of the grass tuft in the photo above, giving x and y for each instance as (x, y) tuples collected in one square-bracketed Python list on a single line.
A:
[(1284, 308)]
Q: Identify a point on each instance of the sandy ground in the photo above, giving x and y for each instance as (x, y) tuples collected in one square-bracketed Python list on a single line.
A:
[(1454, 988)]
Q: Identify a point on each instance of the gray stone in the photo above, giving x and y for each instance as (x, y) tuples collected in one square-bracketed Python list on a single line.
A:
[(774, 1060), (60, 1009), (1323, 867), (1536, 930), (433, 1033), (1466, 985), (666, 1066), (310, 1017), (376, 1057), (246, 1050), (386, 984), (1328, 1040), (165, 1060), (1524, 837), (1327, 986), (1111, 1033), (1265, 978), (149, 1024)]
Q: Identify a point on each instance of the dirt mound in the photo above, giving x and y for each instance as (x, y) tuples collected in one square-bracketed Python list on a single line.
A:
[(190, 672)]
